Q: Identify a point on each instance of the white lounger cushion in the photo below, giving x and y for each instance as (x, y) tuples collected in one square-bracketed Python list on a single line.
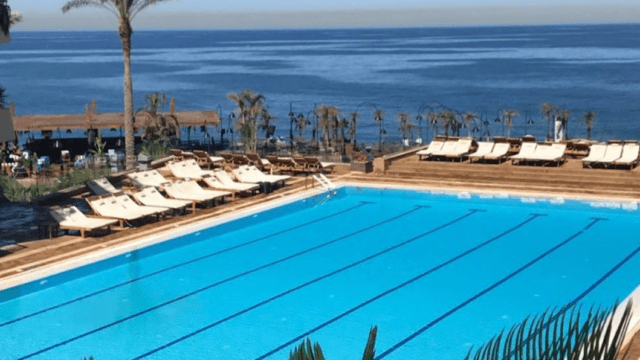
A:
[(613, 153), (110, 207), (630, 154), (190, 190), (596, 152), (484, 148), (224, 179), (267, 177), (151, 197), (462, 148), (101, 186), (131, 205), (554, 152), (448, 148), (499, 150), (527, 151), (188, 169), (434, 146), (72, 217), (148, 178)]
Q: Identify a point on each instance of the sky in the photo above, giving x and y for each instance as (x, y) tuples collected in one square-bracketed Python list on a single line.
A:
[(253, 14)]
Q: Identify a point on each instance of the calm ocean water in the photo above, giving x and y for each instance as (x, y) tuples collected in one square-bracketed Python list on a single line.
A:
[(479, 69)]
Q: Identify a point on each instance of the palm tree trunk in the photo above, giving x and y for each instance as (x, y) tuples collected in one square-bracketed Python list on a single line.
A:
[(589, 133), (129, 137)]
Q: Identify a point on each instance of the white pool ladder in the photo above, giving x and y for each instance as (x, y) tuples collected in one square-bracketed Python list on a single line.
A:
[(324, 181)]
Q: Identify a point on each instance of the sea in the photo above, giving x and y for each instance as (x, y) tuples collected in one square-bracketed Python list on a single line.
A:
[(479, 69)]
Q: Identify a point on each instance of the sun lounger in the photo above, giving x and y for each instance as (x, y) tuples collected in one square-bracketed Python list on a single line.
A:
[(434, 146), (204, 159), (317, 165), (613, 153), (484, 149), (257, 161), (499, 152), (147, 178), (190, 190), (129, 204), (215, 183), (527, 151), (448, 148), (70, 218), (188, 169), (227, 181), (461, 150), (101, 186), (551, 154), (240, 159), (629, 156), (110, 207), (289, 165), (596, 153), (228, 157), (182, 155), (251, 174), (150, 196)]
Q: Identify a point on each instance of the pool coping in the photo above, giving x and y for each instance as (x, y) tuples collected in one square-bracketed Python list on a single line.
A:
[(285, 199)]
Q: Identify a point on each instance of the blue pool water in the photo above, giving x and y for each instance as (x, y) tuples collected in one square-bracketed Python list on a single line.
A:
[(436, 273)]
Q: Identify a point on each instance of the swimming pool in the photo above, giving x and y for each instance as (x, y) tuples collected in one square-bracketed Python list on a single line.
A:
[(437, 273)]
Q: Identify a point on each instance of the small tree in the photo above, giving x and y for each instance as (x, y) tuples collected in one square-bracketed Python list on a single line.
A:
[(589, 119), (378, 118), (468, 119), (157, 126), (564, 115), (548, 110), (353, 127), (406, 126), (508, 116), (250, 106), (448, 120), (327, 120)]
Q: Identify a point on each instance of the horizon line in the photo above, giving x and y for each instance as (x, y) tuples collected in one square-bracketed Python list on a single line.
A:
[(629, 23)]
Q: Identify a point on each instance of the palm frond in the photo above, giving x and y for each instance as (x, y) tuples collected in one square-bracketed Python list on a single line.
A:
[(5, 17), (370, 348), (561, 334), (76, 4), (137, 6)]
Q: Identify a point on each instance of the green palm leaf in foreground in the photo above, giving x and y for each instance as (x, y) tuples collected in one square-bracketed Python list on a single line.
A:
[(559, 334), (308, 351)]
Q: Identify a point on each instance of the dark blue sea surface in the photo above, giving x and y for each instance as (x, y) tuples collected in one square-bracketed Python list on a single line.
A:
[(481, 69)]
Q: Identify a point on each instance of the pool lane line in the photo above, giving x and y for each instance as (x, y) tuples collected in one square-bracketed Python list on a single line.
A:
[(310, 282), (220, 282), (485, 291), (179, 265), (398, 287)]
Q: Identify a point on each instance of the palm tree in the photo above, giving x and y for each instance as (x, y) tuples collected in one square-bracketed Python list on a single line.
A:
[(589, 119), (406, 126), (266, 123), (157, 126), (432, 119), (378, 118), (353, 127), (3, 98), (250, 106), (327, 116), (125, 11), (468, 119), (508, 116), (547, 110), (448, 121), (5, 17), (342, 124), (564, 114)]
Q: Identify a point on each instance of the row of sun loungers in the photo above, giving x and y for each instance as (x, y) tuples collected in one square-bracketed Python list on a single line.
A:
[(531, 152), (147, 200), (450, 150), (612, 155), (295, 164)]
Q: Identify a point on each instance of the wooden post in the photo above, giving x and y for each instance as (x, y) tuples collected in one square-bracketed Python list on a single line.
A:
[(172, 107), (12, 109), (87, 112), (94, 104)]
